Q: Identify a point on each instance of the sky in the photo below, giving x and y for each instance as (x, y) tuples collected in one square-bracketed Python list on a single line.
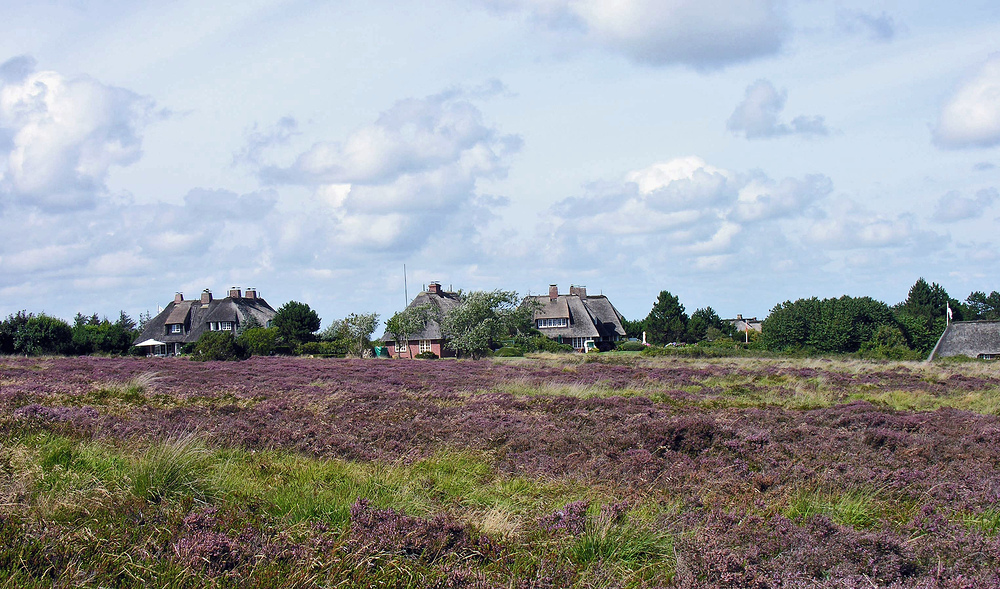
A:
[(737, 153)]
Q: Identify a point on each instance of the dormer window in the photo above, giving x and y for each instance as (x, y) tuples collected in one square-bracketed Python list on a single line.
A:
[(175, 328), (558, 322)]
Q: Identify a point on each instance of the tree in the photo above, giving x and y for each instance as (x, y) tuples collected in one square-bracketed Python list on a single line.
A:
[(9, 328), (43, 334), (666, 321), (704, 320), (922, 314), (259, 341), (484, 318), (296, 322), (983, 306), (218, 345), (408, 321), (633, 328), (358, 330), (829, 325), (251, 322)]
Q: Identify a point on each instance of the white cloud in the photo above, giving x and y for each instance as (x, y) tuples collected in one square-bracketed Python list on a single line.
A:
[(684, 213), (850, 226), (704, 34), (63, 135), (953, 207), (971, 117), (758, 116), (413, 172)]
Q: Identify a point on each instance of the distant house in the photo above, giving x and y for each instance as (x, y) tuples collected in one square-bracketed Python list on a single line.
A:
[(430, 338), (745, 324), (577, 318), (976, 339), (182, 321)]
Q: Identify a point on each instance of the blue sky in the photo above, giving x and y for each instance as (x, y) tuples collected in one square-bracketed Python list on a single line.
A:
[(736, 153)]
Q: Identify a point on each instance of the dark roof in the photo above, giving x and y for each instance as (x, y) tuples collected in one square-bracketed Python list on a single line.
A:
[(609, 320), (440, 303), (968, 338), (195, 317), (589, 316)]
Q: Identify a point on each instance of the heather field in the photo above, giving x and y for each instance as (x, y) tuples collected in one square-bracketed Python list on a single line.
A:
[(610, 470)]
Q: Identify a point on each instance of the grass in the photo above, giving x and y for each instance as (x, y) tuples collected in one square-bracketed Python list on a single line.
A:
[(107, 499)]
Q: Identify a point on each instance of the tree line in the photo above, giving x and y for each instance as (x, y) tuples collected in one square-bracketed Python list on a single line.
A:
[(862, 325), (486, 321)]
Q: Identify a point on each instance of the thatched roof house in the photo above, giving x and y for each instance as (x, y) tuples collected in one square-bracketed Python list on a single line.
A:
[(976, 339), (430, 338), (577, 318), (184, 321)]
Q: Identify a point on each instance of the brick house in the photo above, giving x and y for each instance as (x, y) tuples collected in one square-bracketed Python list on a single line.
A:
[(430, 338)]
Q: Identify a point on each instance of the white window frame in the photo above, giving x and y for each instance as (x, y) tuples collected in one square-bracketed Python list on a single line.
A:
[(425, 345), (557, 322), (176, 328), (226, 325), (580, 343)]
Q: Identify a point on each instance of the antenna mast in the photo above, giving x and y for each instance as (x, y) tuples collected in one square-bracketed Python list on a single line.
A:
[(406, 295)]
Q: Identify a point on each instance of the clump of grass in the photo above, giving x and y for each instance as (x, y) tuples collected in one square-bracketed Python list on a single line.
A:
[(855, 509), (986, 521), (173, 468)]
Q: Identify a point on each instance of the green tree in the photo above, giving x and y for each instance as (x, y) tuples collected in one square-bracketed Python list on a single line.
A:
[(9, 328), (667, 321), (983, 306), (43, 334), (406, 322), (633, 328), (483, 319), (296, 322), (259, 341), (705, 321), (830, 325), (358, 330), (922, 314), (218, 345)]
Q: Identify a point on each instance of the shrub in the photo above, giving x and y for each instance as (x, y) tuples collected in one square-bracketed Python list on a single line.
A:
[(259, 341), (631, 346), (508, 352), (541, 343), (334, 349), (173, 468), (218, 345), (428, 355)]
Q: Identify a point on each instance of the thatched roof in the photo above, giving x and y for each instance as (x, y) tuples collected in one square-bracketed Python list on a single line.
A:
[(589, 316), (969, 338), (195, 316), (440, 303)]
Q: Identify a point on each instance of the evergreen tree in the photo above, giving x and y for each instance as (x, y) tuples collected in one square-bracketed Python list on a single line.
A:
[(667, 321)]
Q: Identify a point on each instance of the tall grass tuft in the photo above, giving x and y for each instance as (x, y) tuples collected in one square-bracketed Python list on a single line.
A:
[(173, 468)]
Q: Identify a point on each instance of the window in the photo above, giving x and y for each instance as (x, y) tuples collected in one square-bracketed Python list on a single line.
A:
[(175, 328), (424, 346), (579, 342), (559, 322), (227, 325), (988, 356)]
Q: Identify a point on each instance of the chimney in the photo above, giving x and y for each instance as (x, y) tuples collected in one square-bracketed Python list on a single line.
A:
[(739, 317), (206, 297), (580, 291), (234, 292), (251, 292), (553, 292), (178, 297), (434, 288)]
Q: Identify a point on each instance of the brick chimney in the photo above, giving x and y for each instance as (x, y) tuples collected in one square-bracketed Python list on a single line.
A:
[(206, 297), (553, 292), (178, 297), (580, 291), (234, 292), (251, 292), (434, 288)]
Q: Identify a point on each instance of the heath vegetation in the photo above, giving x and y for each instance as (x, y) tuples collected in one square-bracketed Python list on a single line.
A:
[(554, 470)]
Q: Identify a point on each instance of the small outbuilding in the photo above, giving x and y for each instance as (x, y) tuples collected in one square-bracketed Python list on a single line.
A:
[(975, 339)]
